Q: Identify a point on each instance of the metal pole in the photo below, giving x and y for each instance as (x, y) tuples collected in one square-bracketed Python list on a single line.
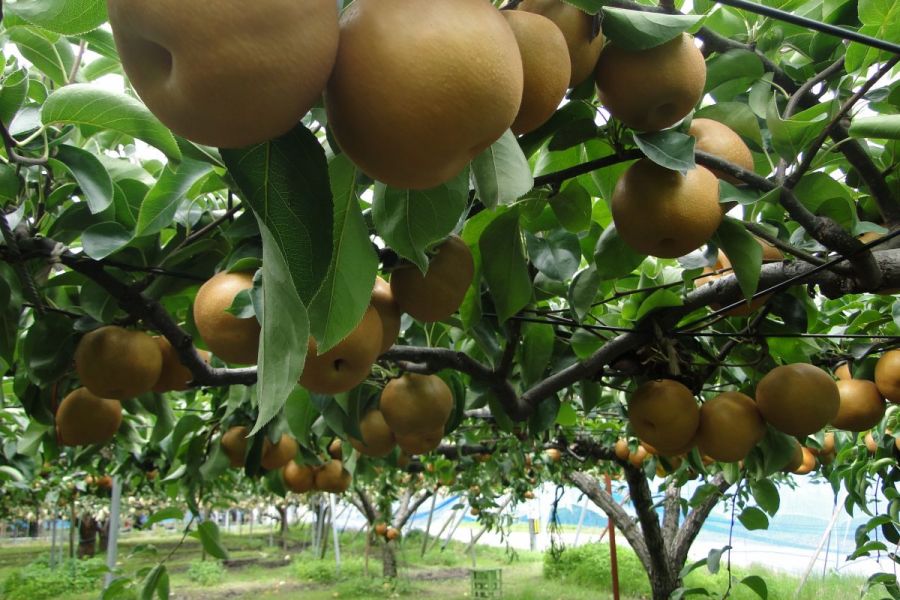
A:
[(53, 539), (839, 506), (584, 506), (453, 530), (72, 519), (613, 559), (532, 534), (112, 547), (437, 538), (428, 524), (335, 536)]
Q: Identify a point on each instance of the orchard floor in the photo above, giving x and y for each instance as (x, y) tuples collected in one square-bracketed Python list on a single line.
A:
[(258, 570)]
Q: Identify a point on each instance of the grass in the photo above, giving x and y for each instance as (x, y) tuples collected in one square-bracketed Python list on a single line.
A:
[(580, 574)]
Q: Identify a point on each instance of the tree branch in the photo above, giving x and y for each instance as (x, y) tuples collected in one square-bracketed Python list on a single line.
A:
[(617, 516), (642, 499), (368, 510), (148, 310), (695, 519), (410, 508)]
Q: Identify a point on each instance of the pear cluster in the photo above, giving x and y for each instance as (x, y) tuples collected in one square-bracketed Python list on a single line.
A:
[(115, 364), (397, 76), (798, 399), (412, 414), (430, 296)]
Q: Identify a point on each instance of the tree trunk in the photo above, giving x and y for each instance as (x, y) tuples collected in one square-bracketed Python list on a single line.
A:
[(388, 560), (663, 585), (104, 535), (87, 536), (282, 514)]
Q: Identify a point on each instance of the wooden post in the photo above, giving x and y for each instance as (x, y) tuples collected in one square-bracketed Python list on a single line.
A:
[(113, 546), (613, 559), (72, 526), (532, 534), (428, 524)]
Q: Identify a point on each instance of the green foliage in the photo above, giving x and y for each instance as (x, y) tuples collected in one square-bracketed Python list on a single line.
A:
[(324, 570), (207, 573), (588, 565), (37, 580)]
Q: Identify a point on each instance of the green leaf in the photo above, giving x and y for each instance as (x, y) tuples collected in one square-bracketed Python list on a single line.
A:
[(285, 332), (8, 473), (791, 136), (714, 557), (411, 221), (501, 173), (557, 254), (152, 581), (639, 30), (583, 291), (286, 183), (536, 351), (880, 127), (670, 149), (732, 73), (757, 584), (766, 495), (161, 202), (300, 413), (613, 257), (13, 94), (753, 518), (342, 301), (9, 184), (68, 17), (544, 415), (566, 417), (46, 51), (656, 300), (208, 534), (744, 252), (503, 265), (572, 206), (880, 19), (103, 239), (48, 348), (92, 177), (100, 109), (164, 514)]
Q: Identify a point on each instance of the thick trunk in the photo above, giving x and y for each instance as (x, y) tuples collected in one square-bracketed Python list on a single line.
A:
[(663, 584), (87, 536), (388, 560)]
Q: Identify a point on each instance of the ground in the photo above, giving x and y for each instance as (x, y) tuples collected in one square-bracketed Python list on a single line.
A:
[(257, 570)]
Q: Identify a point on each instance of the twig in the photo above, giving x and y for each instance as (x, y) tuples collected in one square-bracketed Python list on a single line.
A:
[(10, 144), (761, 232), (834, 68), (82, 46), (810, 151)]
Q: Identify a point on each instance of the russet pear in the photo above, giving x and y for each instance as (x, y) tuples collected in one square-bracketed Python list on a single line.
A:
[(663, 213), (415, 404), (577, 28), (652, 89), (348, 363), (438, 293), (723, 142), (228, 74), (545, 66), (388, 311), (113, 362), (232, 339), (420, 88), (84, 418), (664, 413)]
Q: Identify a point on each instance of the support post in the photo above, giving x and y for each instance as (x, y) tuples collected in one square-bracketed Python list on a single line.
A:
[(428, 525), (453, 530), (113, 545), (613, 558), (336, 538), (584, 507)]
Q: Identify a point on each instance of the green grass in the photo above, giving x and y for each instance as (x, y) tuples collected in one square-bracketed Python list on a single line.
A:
[(580, 574)]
